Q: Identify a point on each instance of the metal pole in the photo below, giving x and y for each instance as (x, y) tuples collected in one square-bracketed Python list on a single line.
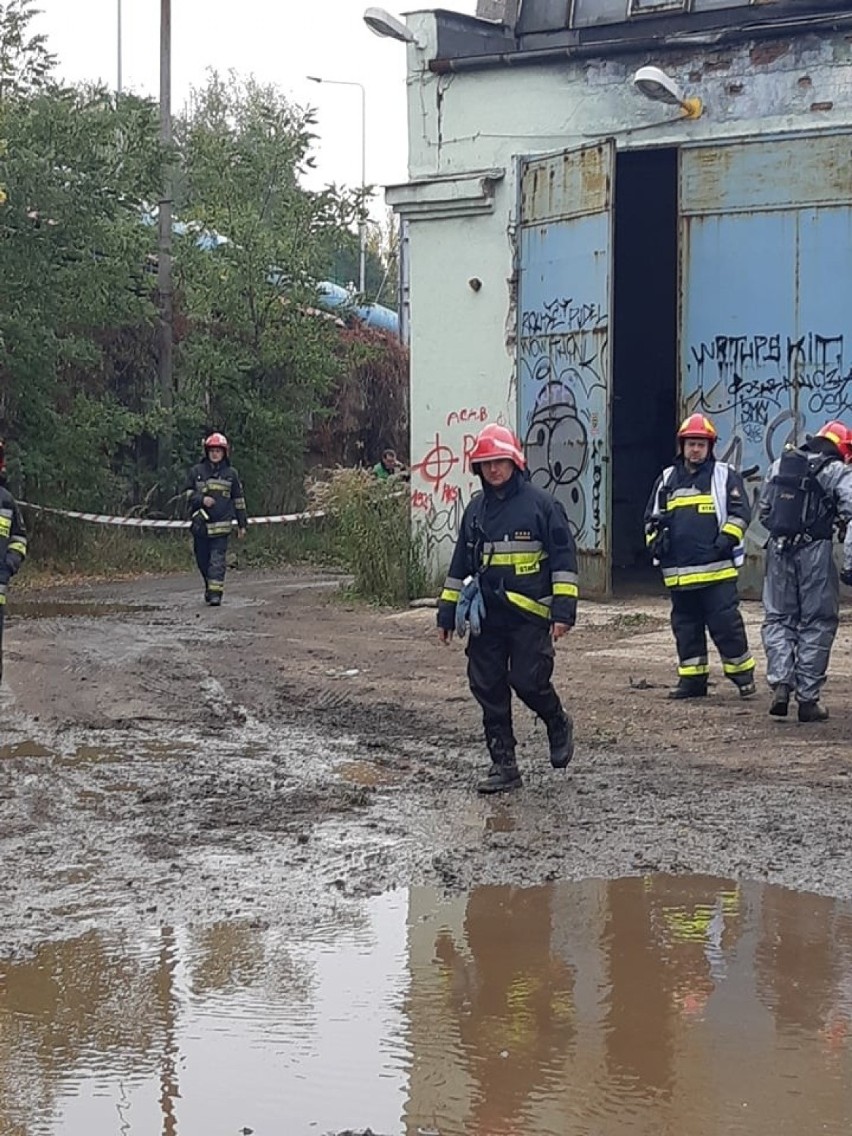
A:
[(164, 261), (118, 51), (362, 223)]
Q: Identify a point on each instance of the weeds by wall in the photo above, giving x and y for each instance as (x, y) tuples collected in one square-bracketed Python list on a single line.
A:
[(370, 522)]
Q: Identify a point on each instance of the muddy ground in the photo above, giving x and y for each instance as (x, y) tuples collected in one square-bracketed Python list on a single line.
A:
[(165, 762)]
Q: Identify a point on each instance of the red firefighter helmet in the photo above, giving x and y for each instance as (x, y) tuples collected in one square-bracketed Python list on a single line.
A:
[(219, 440), (697, 426), (835, 431), (494, 442)]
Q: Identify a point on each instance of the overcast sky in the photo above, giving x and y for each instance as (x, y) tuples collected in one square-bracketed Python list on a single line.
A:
[(280, 41)]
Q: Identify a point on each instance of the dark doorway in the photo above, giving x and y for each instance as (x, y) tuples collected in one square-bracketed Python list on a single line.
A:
[(645, 343)]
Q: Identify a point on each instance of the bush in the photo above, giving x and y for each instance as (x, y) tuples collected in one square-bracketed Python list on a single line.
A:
[(371, 522)]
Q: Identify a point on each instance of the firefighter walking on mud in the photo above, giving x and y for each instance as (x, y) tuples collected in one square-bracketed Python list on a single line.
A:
[(695, 522), (513, 582), (806, 494), (13, 543), (216, 500)]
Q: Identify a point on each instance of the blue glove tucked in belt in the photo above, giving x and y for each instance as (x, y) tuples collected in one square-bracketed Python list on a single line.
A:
[(470, 608)]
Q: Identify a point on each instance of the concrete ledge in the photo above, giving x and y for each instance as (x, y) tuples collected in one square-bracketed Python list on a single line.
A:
[(431, 199)]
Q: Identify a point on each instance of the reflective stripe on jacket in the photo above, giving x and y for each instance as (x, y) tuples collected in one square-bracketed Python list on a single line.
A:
[(13, 540), (701, 507), (222, 483), (521, 545)]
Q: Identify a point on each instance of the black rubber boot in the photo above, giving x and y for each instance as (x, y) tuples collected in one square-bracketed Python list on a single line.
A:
[(746, 689), (812, 712), (689, 688), (560, 735), (215, 599), (780, 703), (504, 773)]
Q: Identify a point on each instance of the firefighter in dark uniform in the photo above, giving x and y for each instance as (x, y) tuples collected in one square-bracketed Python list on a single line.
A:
[(13, 542), (515, 558), (695, 522), (215, 501)]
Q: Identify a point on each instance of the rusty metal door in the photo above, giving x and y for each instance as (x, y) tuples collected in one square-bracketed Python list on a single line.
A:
[(766, 276), (564, 349)]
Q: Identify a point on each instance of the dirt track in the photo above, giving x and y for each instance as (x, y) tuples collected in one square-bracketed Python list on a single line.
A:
[(163, 761)]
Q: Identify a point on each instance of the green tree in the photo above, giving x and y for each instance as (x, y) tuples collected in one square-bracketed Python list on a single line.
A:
[(74, 292), (341, 255), (25, 62), (256, 355)]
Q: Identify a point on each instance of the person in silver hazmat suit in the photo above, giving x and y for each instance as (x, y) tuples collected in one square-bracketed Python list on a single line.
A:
[(806, 497)]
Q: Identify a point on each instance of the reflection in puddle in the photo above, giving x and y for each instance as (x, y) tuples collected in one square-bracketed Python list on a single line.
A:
[(645, 1005), (367, 774), (501, 820), (24, 749), (54, 609), (148, 749), (84, 755)]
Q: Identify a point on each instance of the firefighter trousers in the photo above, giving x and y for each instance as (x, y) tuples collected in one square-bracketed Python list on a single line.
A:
[(512, 655), (210, 558), (714, 608)]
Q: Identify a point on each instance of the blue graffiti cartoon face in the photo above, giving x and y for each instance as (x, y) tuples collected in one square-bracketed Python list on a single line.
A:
[(557, 449)]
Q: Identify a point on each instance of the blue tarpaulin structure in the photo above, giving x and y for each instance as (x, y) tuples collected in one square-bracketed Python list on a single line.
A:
[(332, 296)]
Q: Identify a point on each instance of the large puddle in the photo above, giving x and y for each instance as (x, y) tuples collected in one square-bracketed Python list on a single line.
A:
[(690, 1006)]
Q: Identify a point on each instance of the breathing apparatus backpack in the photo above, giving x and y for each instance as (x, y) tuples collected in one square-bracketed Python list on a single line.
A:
[(798, 508)]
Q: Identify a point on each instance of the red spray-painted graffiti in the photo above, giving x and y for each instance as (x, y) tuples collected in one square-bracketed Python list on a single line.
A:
[(443, 480), (442, 459), (438, 463), (468, 414)]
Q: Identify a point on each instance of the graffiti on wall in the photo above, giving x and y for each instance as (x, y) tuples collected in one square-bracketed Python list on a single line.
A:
[(767, 391), (564, 376), (764, 391), (442, 480)]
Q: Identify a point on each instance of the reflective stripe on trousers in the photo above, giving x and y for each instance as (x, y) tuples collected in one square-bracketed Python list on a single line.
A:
[(714, 609), (210, 558)]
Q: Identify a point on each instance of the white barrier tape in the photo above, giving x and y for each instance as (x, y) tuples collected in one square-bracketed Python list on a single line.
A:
[(144, 523)]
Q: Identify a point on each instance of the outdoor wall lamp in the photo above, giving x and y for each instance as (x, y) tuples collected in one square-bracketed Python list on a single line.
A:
[(381, 22), (657, 85)]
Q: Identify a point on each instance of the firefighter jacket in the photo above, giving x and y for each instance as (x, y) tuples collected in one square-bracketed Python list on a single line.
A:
[(520, 545), (695, 522), (222, 483), (13, 540)]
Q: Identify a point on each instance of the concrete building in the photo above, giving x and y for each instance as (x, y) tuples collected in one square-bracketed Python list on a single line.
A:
[(588, 264)]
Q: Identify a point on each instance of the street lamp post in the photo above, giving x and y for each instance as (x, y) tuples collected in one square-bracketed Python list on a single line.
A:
[(362, 213)]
